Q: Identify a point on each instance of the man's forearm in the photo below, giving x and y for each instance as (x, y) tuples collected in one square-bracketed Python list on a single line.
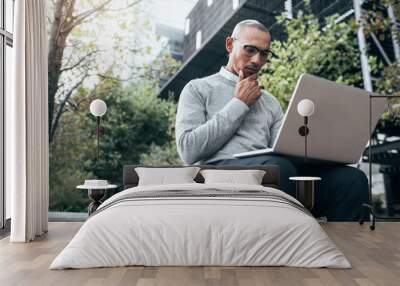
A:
[(205, 139)]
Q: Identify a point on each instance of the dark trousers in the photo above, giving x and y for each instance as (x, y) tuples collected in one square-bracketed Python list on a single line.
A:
[(339, 194)]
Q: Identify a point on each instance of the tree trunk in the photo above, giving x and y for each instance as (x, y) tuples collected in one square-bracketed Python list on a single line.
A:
[(58, 36)]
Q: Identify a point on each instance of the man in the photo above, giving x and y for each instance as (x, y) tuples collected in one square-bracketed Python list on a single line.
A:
[(228, 113)]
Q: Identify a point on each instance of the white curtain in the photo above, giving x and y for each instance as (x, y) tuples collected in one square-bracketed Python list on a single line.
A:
[(27, 145)]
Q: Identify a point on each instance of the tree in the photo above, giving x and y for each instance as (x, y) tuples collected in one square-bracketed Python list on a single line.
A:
[(136, 122), (137, 119), (65, 20), (123, 76), (328, 51), (387, 81), (166, 154), (161, 155)]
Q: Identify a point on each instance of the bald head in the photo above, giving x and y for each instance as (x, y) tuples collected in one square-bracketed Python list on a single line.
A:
[(248, 23)]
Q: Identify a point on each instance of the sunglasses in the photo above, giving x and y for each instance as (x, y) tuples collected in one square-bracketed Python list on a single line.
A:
[(253, 50)]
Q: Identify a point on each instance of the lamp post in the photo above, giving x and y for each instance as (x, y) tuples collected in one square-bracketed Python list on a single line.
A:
[(97, 189), (305, 108), (369, 206), (305, 185), (98, 108)]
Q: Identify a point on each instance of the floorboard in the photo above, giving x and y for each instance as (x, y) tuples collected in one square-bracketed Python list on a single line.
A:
[(374, 255)]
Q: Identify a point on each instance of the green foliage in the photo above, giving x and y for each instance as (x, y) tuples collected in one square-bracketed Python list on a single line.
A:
[(136, 122), (66, 166), (162, 68), (161, 155), (330, 52), (376, 21), (166, 154), (63, 196), (388, 81)]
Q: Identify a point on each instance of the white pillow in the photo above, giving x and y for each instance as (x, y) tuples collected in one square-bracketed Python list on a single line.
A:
[(248, 177), (165, 176)]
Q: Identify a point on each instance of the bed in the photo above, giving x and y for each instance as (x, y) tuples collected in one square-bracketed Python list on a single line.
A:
[(197, 224)]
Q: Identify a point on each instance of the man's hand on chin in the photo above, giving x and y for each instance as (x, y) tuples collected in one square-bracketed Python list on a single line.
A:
[(249, 72), (247, 88)]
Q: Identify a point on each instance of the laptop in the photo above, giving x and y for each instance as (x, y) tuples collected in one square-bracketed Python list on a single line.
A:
[(339, 126)]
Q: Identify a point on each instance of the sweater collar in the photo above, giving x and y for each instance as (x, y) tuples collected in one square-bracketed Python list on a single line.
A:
[(228, 75)]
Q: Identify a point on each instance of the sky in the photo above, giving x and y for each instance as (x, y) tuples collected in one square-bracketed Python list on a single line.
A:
[(171, 12)]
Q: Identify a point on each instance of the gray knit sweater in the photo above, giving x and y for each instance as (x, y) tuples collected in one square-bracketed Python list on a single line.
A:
[(212, 124)]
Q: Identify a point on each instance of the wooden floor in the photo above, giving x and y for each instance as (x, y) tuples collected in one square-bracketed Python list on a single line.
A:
[(375, 256)]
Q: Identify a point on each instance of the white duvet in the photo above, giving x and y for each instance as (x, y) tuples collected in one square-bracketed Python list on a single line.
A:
[(185, 231)]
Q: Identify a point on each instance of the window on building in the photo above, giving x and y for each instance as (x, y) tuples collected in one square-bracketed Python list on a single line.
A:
[(235, 4), (289, 9), (187, 26), (198, 40)]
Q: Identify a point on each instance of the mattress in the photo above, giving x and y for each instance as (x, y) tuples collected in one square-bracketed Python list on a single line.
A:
[(201, 225)]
